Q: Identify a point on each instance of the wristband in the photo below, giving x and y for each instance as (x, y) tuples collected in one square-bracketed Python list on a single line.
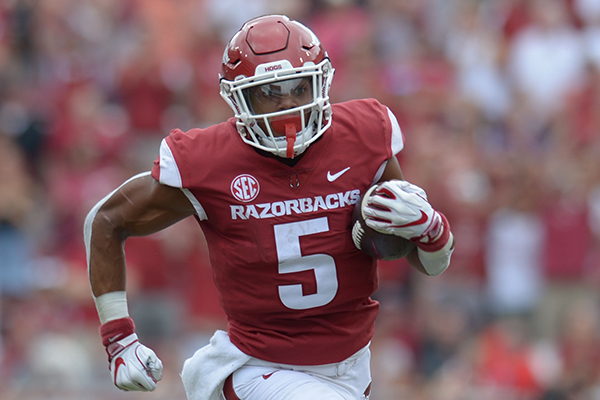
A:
[(441, 241), (115, 330), (117, 335), (111, 306)]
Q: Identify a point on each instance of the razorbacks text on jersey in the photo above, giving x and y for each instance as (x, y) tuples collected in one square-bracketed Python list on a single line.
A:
[(293, 285)]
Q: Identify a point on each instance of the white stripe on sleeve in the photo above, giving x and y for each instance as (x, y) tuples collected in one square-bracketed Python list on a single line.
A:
[(397, 139), (197, 206), (169, 171), (379, 173)]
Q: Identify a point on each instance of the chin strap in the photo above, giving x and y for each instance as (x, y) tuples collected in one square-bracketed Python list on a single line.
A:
[(290, 137)]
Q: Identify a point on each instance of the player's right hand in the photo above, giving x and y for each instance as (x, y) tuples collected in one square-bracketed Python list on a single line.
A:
[(133, 366)]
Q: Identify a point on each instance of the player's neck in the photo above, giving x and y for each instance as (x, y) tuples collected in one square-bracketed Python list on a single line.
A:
[(290, 162)]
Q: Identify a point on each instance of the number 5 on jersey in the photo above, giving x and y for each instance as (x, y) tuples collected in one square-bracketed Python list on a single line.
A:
[(289, 255)]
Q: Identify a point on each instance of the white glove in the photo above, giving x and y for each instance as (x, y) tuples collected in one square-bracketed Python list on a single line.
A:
[(400, 208), (133, 366)]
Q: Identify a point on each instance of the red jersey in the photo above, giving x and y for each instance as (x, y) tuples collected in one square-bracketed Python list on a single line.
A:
[(293, 285)]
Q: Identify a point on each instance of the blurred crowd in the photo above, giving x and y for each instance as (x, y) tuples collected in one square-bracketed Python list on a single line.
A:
[(499, 102)]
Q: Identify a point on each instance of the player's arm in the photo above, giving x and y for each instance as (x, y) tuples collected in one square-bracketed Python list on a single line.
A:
[(391, 171), (141, 206), (399, 210)]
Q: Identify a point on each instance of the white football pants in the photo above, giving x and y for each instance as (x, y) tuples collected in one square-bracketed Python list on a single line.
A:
[(347, 380)]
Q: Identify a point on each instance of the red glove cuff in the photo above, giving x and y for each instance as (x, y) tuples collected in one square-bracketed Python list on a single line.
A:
[(115, 330), (441, 241)]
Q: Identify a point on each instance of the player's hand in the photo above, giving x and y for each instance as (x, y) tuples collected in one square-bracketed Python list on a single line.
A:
[(400, 208), (133, 366)]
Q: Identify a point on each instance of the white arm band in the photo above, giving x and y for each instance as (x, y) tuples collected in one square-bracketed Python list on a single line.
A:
[(112, 305), (438, 261)]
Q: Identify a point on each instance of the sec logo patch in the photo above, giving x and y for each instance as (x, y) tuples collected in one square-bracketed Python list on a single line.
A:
[(245, 188)]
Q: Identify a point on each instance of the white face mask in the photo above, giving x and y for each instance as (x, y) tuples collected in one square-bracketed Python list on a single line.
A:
[(282, 112)]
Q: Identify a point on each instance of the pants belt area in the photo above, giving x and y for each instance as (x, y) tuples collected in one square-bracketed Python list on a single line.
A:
[(332, 370)]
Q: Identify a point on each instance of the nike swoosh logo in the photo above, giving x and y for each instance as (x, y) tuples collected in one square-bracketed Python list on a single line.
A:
[(267, 376), (420, 221), (333, 177), (112, 339), (118, 363)]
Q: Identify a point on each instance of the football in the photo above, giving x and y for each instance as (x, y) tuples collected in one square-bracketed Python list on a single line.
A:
[(376, 244)]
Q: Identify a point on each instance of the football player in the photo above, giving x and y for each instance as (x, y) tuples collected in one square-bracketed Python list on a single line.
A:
[(273, 189)]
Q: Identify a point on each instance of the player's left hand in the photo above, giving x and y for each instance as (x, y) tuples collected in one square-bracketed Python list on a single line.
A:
[(401, 208)]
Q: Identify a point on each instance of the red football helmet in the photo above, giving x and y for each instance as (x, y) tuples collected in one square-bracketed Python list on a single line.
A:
[(269, 60)]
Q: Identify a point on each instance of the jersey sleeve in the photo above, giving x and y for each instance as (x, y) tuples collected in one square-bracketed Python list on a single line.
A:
[(171, 161), (172, 168), (392, 136), (376, 115)]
